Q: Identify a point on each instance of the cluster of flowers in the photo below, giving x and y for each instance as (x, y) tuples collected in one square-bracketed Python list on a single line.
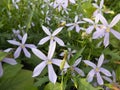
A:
[(101, 27)]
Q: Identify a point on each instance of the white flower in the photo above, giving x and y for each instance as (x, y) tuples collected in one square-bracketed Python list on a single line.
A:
[(52, 37), (47, 61), (15, 3), (75, 25)]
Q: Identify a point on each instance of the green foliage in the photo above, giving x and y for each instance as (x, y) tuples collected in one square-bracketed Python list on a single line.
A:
[(2, 55)]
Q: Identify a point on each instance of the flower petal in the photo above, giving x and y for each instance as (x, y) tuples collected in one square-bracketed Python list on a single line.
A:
[(39, 54), (90, 75), (115, 20), (44, 40), (51, 50), (17, 52), (77, 62), (106, 40), (58, 63), (1, 69), (107, 79), (71, 28), (100, 61), (79, 71), (27, 54), (30, 46), (103, 20), (76, 18), (115, 33), (99, 79), (24, 38), (52, 74), (59, 41), (89, 63), (88, 20), (39, 68), (105, 71), (46, 30), (89, 29), (13, 42), (69, 24), (77, 28), (10, 61), (101, 4), (57, 31)]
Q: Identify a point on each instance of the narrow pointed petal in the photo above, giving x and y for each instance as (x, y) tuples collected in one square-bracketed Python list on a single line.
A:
[(59, 41), (10, 61), (89, 63), (100, 61), (72, 1), (74, 51), (46, 30), (58, 63), (95, 5), (98, 34), (107, 79), (89, 29), (57, 31), (77, 62), (8, 50), (44, 40), (105, 71), (13, 42), (71, 28), (69, 24), (101, 4), (52, 75), (24, 38), (76, 18), (79, 71), (106, 40), (77, 28), (99, 79), (39, 68), (17, 52), (1, 70), (103, 20), (27, 54), (115, 20), (39, 54), (62, 54), (88, 20), (90, 75), (51, 50), (30, 46), (115, 33)]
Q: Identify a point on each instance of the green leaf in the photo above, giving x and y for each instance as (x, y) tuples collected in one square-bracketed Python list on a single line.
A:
[(22, 81), (2, 55), (51, 86), (41, 81)]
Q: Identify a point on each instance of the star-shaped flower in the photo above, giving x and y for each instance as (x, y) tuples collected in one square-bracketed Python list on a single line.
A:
[(22, 46), (52, 37), (106, 29), (47, 61), (75, 25), (97, 69)]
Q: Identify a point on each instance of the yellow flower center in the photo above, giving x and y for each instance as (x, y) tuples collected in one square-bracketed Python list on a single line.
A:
[(108, 29), (49, 62), (51, 37), (97, 69), (22, 46)]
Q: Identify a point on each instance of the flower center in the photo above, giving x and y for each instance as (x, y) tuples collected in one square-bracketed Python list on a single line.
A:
[(49, 62), (97, 69), (52, 37), (108, 29), (22, 46), (75, 24)]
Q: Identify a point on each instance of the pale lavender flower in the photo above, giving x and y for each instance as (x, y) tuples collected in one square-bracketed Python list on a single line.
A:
[(75, 25), (52, 37), (69, 53), (60, 4), (15, 3), (10, 61), (47, 61), (17, 34), (22, 46), (93, 24), (75, 68), (99, 8), (106, 29), (72, 1), (97, 69)]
